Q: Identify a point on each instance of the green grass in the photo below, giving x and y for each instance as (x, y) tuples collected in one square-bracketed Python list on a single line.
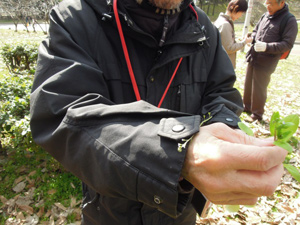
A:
[(41, 173), (10, 36), (50, 183)]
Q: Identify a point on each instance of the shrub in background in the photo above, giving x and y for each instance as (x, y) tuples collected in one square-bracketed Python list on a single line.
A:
[(20, 56), (14, 112), (15, 88)]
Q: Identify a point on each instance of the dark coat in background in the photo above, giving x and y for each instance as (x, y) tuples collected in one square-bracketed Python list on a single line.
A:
[(84, 111), (268, 30), (262, 64)]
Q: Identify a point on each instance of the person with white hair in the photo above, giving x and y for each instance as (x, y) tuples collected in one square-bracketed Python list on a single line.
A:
[(273, 35)]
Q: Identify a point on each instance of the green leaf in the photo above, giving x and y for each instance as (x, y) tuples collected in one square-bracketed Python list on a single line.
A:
[(293, 171), (274, 119), (232, 208), (245, 128), (284, 135), (284, 145), (288, 126), (294, 119)]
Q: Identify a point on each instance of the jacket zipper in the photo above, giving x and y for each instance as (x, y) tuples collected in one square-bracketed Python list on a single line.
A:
[(163, 37), (164, 32)]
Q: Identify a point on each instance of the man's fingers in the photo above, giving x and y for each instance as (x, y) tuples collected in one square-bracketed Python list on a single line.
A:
[(245, 201), (223, 132), (242, 186), (247, 157), (235, 199), (260, 183), (253, 182), (230, 167), (230, 198), (246, 152)]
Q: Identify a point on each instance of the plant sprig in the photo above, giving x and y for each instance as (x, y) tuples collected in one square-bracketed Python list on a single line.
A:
[(282, 129)]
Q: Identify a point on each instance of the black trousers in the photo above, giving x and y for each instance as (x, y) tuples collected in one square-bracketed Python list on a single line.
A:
[(255, 89)]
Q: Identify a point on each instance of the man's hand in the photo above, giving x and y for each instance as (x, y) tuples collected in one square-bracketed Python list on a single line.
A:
[(232, 168), (248, 40), (260, 46)]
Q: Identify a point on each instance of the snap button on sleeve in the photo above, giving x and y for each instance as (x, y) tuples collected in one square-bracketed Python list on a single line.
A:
[(178, 128), (157, 200), (229, 119)]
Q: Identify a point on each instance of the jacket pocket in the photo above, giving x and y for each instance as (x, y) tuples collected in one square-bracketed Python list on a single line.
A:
[(188, 90)]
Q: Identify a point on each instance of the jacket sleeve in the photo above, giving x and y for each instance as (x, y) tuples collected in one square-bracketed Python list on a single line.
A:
[(228, 42), (288, 38), (221, 100), (254, 31), (119, 150)]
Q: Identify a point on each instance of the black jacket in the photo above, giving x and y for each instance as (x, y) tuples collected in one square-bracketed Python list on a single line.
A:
[(268, 30), (84, 112)]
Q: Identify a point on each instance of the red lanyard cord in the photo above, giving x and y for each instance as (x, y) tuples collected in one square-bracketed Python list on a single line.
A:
[(130, 70), (167, 88), (124, 46), (192, 8)]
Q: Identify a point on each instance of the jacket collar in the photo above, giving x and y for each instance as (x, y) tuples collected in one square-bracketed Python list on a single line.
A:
[(279, 12), (151, 19), (227, 18), (186, 32)]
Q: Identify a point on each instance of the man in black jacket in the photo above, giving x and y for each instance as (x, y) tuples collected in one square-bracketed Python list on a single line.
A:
[(271, 39), (121, 87)]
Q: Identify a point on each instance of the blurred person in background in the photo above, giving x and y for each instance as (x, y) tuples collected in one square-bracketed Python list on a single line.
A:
[(224, 23), (274, 34)]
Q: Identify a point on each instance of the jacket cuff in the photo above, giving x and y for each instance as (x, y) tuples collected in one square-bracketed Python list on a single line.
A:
[(166, 197), (226, 116), (161, 197), (179, 128)]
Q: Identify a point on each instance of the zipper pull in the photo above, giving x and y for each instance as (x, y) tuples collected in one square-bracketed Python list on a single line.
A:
[(164, 33), (106, 16), (179, 90), (127, 20)]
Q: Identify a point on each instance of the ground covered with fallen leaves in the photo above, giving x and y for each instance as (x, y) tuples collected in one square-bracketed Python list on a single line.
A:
[(24, 207)]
